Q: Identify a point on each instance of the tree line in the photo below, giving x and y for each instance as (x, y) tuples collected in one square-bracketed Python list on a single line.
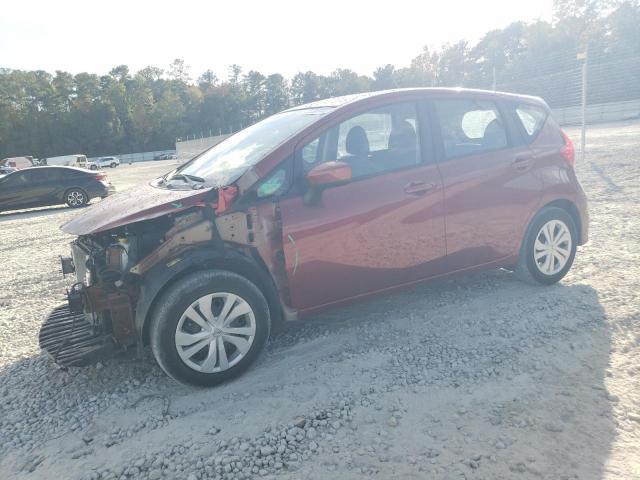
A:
[(44, 114)]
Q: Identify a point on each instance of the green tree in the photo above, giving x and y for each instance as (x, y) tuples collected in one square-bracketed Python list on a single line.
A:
[(384, 78), (45, 115), (275, 94), (179, 71)]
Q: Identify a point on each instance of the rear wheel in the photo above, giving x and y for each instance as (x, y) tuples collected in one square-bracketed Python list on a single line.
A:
[(209, 327), (93, 167), (549, 247), (76, 198), (114, 165)]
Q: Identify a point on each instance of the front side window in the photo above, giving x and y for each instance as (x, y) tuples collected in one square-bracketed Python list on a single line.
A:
[(470, 126), (19, 179), (374, 142)]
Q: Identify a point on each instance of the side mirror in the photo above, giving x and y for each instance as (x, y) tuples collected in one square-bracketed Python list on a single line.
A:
[(329, 174), (325, 175)]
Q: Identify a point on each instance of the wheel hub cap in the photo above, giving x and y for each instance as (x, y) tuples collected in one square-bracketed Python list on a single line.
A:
[(552, 247), (215, 332)]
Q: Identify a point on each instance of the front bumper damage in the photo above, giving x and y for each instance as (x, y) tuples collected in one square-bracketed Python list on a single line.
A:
[(92, 324), (71, 340)]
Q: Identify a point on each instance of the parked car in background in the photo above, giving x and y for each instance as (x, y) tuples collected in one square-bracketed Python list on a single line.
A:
[(76, 160), (18, 162), (165, 156), (313, 207), (112, 162), (43, 186), (7, 170)]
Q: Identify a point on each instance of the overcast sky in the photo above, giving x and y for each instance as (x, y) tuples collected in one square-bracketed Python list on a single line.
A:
[(270, 36)]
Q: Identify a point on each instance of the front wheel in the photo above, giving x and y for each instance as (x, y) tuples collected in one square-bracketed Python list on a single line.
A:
[(114, 165), (209, 327), (549, 247)]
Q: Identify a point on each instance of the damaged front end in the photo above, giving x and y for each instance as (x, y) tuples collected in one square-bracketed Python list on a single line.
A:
[(121, 268), (99, 314)]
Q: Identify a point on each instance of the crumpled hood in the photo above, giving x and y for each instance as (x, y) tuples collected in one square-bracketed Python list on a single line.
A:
[(142, 202)]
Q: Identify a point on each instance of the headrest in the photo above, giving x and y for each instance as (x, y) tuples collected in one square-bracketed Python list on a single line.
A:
[(402, 136), (357, 142)]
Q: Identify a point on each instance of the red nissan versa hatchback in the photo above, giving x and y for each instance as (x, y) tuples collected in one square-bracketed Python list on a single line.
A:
[(312, 207)]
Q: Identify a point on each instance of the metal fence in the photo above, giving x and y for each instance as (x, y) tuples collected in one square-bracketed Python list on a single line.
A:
[(597, 83), (186, 149), (137, 157)]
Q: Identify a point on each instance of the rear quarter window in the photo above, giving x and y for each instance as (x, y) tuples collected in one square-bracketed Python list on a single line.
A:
[(532, 119)]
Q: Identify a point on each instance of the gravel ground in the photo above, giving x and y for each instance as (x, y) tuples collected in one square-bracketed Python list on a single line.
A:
[(477, 377)]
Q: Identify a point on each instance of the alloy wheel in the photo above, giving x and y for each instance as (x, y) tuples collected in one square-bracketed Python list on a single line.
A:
[(552, 247), (75, 198), (215, 332)]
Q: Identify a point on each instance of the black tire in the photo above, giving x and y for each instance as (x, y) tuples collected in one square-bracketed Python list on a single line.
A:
[(113, 165), (528, 268), (76, 198), (175, 302), (93, 167)]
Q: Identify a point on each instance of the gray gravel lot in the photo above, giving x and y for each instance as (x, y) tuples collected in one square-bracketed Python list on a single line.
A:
[(476, 377)]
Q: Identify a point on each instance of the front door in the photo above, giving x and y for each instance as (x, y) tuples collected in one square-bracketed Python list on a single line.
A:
[(384, 228), (18, 191)]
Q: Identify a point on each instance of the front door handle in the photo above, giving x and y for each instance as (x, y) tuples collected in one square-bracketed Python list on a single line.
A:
[(419, 188)]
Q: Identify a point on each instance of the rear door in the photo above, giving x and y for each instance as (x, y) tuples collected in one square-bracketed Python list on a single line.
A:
[(52, 183), (383, 229), (490, 186)]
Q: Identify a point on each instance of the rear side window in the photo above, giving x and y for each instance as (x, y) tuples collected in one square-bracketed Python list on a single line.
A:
[(57, 175), (470, 126), (532, 119)]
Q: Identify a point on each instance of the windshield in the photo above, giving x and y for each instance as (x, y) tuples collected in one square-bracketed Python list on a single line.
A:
[(225, 162)]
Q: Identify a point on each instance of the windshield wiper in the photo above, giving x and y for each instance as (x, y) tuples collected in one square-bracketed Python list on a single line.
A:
[(187, 177), (193, 181)]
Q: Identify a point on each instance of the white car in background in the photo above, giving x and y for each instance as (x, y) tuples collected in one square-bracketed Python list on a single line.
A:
[(112, 162), (77, 160)]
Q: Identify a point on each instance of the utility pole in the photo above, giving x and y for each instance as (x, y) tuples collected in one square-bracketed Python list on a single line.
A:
[(584, 56)]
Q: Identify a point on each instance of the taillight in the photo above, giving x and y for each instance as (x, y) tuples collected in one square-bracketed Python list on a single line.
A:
[(101, 176), (568, 151)]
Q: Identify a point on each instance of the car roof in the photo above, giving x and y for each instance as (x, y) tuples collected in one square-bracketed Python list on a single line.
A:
[(335, 102), (55, 167)]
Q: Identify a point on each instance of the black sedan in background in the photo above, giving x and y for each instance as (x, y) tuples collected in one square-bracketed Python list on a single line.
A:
[(42, 186)]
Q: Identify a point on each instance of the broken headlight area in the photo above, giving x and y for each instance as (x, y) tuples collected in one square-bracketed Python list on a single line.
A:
[(98, 316)]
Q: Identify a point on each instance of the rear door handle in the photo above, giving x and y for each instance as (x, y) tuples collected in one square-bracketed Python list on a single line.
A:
[(419, 187), (521, 163)]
